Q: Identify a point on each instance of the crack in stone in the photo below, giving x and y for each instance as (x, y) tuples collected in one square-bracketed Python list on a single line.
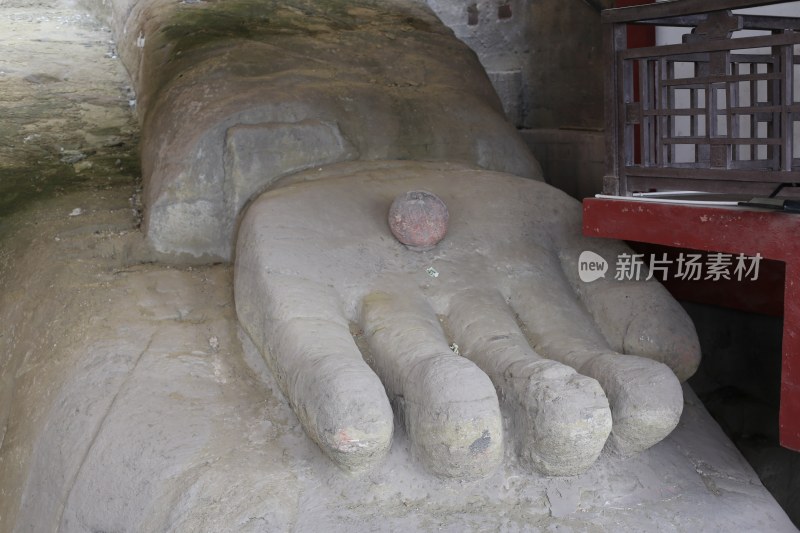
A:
[(96, 434)]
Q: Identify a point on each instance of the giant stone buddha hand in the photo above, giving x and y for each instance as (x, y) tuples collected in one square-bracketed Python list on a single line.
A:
[(334, 108), (351, 322)]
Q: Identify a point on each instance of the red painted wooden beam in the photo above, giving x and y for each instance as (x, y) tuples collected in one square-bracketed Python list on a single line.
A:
[(732, 230), (763, 295)]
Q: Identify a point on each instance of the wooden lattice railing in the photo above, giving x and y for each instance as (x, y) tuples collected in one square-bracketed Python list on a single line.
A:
[(718, 112)]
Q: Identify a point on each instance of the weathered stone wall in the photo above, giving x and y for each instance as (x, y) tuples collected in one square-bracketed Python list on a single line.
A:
[(544, 58), (572, 160), (566, 113), (545, 61), (567, 58), (501, 33)]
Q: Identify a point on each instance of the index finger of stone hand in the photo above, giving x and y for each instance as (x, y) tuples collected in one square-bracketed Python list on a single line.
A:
[(300, 328)]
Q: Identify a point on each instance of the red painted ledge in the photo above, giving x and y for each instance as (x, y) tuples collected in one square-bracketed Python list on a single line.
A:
[(734, 230)]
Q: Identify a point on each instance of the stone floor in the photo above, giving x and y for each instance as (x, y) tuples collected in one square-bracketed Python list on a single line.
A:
[(739, 383), (66, 105)]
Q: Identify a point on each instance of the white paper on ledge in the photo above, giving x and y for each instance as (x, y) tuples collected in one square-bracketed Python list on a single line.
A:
[(679, 197)]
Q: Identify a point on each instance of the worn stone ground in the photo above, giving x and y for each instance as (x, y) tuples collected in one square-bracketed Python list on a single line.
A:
[(131, 401), (66, 122)]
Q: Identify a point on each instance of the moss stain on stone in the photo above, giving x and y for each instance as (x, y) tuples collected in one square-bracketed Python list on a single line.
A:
[(197, 26)]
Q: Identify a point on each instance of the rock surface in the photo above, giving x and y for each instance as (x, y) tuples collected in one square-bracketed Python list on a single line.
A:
[(131, 401), (123, 416)]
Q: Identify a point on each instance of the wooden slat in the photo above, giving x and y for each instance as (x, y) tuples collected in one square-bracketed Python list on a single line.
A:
[(736, 57), (752, 110), (703, 152), (752, 58), (643, 184), (664, 97), (745, 43), (676, 8), (644, 104), (731, 150), (692, 111), (787, 72), (721, 79), (721, 141), (770, 23), (749, 22), (764, 165), (711, 174), (614, 38)]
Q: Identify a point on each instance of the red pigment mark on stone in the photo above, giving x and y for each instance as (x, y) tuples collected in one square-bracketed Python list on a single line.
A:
[(418, 219)]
